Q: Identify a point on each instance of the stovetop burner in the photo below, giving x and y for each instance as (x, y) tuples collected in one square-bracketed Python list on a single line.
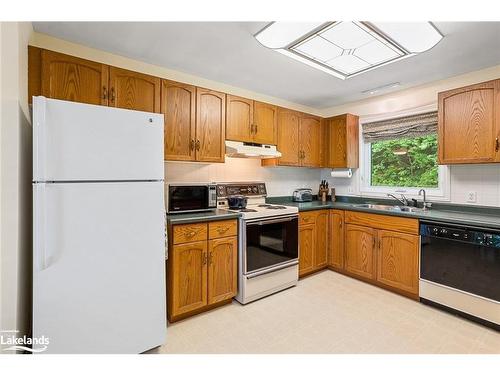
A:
[(264, 205), (243, 209), (276, 208)]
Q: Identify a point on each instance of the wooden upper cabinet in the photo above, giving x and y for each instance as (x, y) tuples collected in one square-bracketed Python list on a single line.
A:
[(189, 281), (239, 117), (265, 119), (288, 137), (222, 269), (178, 105), (309, 137), (360, 256), (398, 260), (343, 141), (210, 125), (336, 249), (132, 90), (71, 78), (469, 124)]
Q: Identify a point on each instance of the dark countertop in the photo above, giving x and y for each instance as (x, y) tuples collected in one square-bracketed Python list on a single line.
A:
[(196, 217), (487, 217)]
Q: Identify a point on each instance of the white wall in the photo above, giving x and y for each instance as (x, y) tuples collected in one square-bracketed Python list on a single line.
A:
[(279, 180), (480, 178), (15, 185)]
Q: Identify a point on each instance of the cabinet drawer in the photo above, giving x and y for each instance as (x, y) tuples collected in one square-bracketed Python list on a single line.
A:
[(189, 233), (379, 221), (219, 229), (307, 217)]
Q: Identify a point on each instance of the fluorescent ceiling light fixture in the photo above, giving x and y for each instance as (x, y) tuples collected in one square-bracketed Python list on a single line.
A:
[(346, 49), (380, 88)]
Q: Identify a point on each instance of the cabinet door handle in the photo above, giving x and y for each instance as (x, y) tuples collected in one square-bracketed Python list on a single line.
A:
[(255, 129), (497, 146), (191, 145), (113, 95), (198, 145), (104, 92), (222, 230), (252, 128), (374, 244), (205, 258)]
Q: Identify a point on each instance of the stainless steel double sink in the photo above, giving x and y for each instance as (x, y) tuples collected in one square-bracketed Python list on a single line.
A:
[(386, 207)]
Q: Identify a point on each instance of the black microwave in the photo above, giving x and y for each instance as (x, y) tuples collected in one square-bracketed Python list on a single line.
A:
[(191, 197)]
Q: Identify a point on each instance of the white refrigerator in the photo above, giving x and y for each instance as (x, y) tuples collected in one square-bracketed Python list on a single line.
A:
[(99, 228)]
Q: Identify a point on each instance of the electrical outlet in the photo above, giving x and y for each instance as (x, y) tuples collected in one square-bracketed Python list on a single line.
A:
[(472, 197)]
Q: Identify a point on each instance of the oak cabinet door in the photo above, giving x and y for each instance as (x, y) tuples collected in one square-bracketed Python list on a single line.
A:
[(309, 134), (189, 277), (336, 256), (71, 78), (210, 125), (178, 105), (468, 123), (398, 260), (360, 251), (222, 269), (132, 90), (265, 119), (321, 248), (288, 137), (239, 117), (307, 243), (338, 139)]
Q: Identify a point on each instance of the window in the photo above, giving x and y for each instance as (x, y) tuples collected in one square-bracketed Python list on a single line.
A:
[(406, 162), (400, 156)]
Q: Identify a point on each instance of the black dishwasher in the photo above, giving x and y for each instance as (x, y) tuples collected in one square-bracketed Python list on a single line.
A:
[(463, 258)]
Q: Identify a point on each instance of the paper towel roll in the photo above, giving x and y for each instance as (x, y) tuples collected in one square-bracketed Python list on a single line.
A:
[(342, 173)]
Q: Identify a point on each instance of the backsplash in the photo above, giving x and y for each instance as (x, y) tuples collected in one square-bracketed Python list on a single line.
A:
[(484, 179), (280, 181)]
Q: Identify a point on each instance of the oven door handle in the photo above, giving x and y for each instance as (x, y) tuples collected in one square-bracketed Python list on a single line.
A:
[(270, 270), (264, 222)]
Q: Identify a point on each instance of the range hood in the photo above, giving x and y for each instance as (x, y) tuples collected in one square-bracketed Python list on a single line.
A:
[(251, 150)]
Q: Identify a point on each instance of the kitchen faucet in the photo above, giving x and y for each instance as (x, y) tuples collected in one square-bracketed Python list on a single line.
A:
[(426, 205), (403, 200)]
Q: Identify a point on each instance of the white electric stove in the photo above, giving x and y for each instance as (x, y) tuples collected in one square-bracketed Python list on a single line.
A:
[(268, 250)]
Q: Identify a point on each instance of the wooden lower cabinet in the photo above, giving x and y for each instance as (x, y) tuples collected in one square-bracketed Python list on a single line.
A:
[(321, 249), (202, 273), (306, 248), (222, 269), (189, 277), (360, 253), (380, 249), (336, 244), (398, 260), (313, 241)]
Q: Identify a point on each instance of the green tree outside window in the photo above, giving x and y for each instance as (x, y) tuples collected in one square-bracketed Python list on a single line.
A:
[(405, 162)]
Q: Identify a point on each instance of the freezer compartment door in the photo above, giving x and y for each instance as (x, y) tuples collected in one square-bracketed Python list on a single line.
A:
[(99, 267), (83, 142)]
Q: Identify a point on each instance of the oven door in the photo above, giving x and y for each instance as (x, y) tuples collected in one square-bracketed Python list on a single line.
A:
[(269, 243)]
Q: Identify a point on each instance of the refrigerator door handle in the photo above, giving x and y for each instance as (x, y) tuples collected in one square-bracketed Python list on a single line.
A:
[(39, 125), (40, 217)]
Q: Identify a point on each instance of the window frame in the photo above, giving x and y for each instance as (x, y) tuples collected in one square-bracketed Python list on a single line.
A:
[(441, 193)]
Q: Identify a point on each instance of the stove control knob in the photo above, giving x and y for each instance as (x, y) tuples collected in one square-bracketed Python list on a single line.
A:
[(255, 190), (443, 232)]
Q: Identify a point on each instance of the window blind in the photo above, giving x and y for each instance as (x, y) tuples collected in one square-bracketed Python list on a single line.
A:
[(401, 127)]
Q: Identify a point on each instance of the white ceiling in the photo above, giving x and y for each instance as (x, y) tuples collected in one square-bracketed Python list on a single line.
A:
[(227, 52)]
